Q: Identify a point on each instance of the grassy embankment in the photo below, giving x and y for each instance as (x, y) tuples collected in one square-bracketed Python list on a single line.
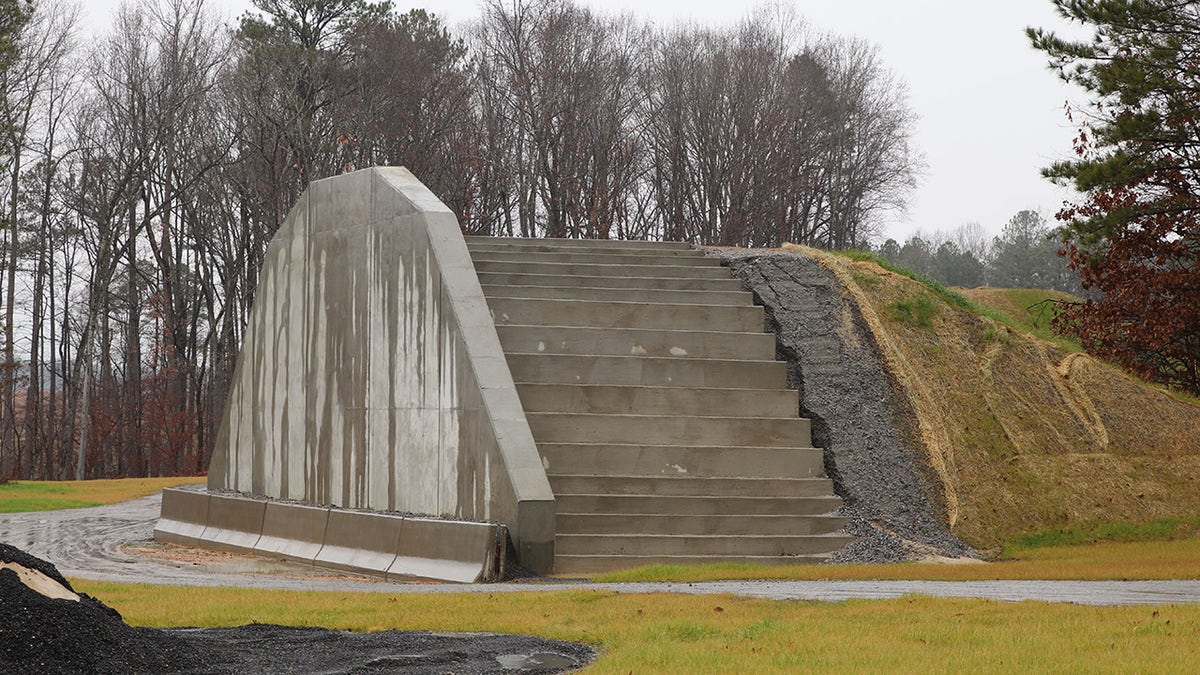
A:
[(18, 496), (1023, 434), (674, 633)]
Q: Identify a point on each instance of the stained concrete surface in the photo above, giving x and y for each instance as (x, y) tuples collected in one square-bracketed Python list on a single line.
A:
[(371, 375), (101, 543)]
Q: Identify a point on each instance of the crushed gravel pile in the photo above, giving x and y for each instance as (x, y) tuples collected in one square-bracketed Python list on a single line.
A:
[(74, 633), (845, 390), (40, 634)]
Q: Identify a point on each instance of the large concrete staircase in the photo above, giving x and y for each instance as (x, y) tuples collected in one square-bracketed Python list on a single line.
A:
[(661, 416)]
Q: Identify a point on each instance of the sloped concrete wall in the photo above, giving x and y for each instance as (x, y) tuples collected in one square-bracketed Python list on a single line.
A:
[(371, 375)]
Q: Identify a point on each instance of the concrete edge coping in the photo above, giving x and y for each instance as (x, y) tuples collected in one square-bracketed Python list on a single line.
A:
[(234, 523), (530, 520), (450, 550), (183, 518), (293, 532), (361, 542)]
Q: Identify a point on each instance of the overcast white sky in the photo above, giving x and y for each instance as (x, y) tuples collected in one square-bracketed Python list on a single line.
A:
[(991, 115)]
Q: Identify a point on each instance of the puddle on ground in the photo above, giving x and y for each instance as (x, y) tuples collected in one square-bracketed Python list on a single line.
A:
[(536, 661)]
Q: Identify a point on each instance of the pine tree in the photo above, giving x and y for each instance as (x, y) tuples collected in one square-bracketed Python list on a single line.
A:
[(1134, 236)]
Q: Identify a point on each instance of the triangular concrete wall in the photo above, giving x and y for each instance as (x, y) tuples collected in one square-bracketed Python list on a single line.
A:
[(371, 375)]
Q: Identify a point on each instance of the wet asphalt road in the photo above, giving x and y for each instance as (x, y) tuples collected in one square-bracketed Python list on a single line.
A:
[(90, 544)]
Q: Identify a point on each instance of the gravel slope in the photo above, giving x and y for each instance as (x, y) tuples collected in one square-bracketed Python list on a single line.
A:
[(847, 393)]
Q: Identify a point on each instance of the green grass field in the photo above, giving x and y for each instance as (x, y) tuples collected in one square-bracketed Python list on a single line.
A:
[(662, 633), (19, 496)]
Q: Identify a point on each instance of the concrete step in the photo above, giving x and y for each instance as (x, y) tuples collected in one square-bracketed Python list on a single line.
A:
[(553, 244), (767, 432), (595, 564), (585, 269), (605, 280), (652, 523), (689, 486), (647, 371), (607, 314), (654, 544), (685, 505), (622, 295), (590, 257), (634, 400), (610, 459), (585, 341)]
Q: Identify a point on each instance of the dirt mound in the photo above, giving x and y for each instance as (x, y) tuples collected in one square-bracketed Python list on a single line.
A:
[(74, 633)]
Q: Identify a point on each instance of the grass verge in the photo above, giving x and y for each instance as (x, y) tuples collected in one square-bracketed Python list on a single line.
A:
[(20, 496), (1177, 559), (1035, 323), (660, 633)]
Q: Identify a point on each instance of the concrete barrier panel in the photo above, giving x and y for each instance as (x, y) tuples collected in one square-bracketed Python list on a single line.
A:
[(450, 551), (184, 517), (234, 523), (292, 531), (360, 542)]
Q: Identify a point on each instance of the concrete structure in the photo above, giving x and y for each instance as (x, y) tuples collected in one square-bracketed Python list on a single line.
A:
[(377, 376), (371, 376), (658, 408)]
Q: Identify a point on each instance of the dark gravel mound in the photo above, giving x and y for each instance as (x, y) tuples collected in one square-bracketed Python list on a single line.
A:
[(48, 636), (44, 635), (846, 391)]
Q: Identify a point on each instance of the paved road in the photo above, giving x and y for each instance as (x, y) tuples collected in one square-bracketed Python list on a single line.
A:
[(95, 544)]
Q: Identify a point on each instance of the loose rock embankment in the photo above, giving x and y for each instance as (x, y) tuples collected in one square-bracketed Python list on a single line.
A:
[(856, 415)]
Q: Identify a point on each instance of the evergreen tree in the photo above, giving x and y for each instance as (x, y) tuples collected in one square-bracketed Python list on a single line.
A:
[(1135, 237)]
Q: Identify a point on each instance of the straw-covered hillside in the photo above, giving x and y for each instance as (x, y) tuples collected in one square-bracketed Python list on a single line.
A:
[(1022, 434)]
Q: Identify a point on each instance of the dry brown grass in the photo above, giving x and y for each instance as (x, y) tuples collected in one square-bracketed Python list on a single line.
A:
[(1021, 435)]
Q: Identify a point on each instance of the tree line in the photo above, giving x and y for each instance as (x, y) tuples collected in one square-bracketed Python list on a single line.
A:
[(146, 169), (1024, 255)]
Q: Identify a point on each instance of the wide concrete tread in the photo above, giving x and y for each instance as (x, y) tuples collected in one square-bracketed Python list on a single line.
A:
[(525, 277), (585, 341), (637, 400), (615, 459), (622, 314), (689, 486), (768, 432), (595, 564), (659, 295), (595, 257), (475, 242), (647, 371), (669, 271), (653, 523), (694, 544), (695, 505)]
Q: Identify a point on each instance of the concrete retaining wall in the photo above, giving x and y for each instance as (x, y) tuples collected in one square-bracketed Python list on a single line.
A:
[(371, 374), (363, 542)]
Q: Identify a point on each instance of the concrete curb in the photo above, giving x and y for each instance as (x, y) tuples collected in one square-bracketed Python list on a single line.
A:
[(184, 517), (362, 542)]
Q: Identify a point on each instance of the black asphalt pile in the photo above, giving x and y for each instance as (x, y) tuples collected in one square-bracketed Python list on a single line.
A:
[(39, 634), (48, 636), (846, 391)]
